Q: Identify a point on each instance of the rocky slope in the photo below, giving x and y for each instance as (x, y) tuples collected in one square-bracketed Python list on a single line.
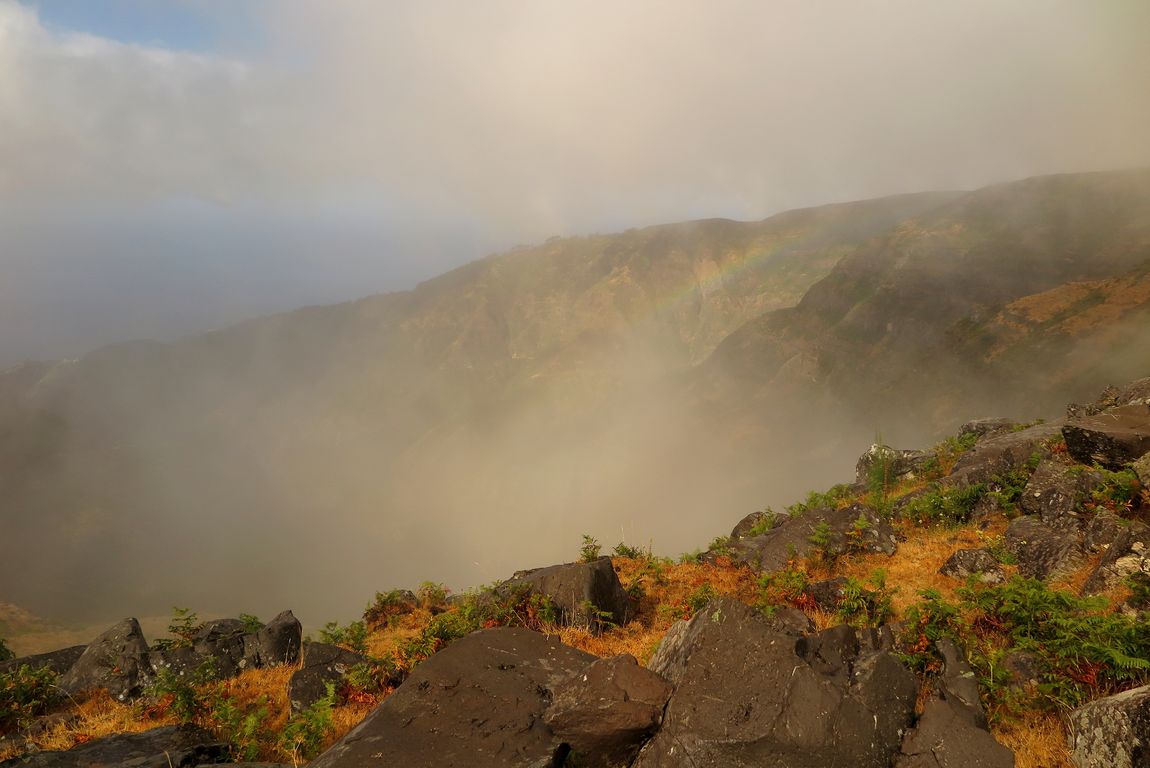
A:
[(980, 603)]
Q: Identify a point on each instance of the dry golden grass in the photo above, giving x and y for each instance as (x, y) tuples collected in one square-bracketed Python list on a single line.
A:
[(1038, 742)]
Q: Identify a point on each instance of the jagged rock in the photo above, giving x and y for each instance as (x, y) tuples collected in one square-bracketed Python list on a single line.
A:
[(965, 563), (1113, 732), (58, 661), (171, 746), (278, 642), (1043, 550), (116, 660), (747, 694), (575, 585), (952, 732), (479, 703), (893, 464), (792, 537), (1113, 438), (322, 664), (1055, 491), (607, 712), (982, 428), (1002, 453), (1102, 530), (1127, 555)]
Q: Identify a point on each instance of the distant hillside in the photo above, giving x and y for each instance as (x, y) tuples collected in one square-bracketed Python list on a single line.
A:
[(366, 441), (637, 386)]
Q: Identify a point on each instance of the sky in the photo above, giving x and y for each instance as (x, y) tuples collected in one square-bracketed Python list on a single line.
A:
[(171, 167)]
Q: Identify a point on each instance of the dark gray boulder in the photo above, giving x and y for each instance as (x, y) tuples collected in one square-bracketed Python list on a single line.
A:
[(171, 746), (979, 562), (1113, 732), (762, 520), (1043, 550), (952, 731), (277, 642), (223, 641), (116, 660), (747, 694), (477, 703), (608, 712), (827, 593), (322, 664), (1127, 555), (573, 587), (791, 538), (1113, 438), (57, 661)]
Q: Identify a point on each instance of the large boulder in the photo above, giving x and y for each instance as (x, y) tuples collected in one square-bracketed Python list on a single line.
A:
[(322, 664), (478, 703), (607, 712), (223, 641), (171, 746), (748, 694), (952, 731), (117, 660), (1113, 732), (1113, 438), (1044, 550), (584, 593), (855, 527), (56, 661)]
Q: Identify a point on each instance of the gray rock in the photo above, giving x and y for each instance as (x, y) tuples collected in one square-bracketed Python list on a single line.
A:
[(979, 562), (1128, 554), (574, 586), (747, 694), (1043, 550), (278, 642), (953, 732), (826, 593), (1102, 530), (478, 703), (607, 712), (172, 746), (1055, 492), (222, 641), (57, 661), (117, 660), (1113, 732), (1113, 438), (1135, 393), (772, 550), (763, 519), (322, 664), (1002, 453)]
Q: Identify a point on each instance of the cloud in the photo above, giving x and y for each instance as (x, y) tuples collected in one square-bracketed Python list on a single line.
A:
[(514, 121)]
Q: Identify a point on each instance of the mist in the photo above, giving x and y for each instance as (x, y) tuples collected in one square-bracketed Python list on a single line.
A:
[(180, 444)]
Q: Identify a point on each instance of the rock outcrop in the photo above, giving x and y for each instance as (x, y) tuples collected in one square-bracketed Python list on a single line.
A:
[(749, 694), (1113, 438), (117, 660), (584, 593), (979, 562), (1113, 732), (322, 664), (480, 702)]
